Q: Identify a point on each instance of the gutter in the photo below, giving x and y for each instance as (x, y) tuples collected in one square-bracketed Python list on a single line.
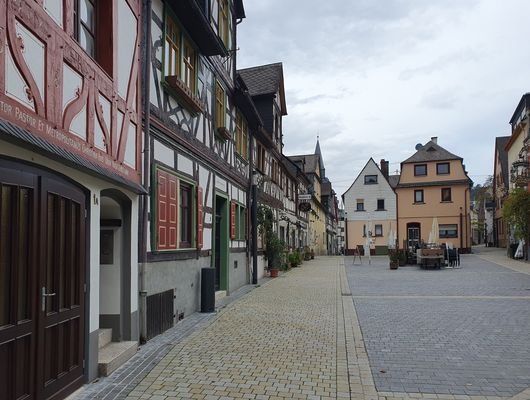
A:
[(142, 303)]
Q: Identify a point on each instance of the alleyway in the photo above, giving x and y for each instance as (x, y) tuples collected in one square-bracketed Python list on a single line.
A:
[(296, 336)]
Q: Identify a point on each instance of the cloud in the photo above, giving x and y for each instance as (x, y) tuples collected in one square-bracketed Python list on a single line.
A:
[(372, 79)]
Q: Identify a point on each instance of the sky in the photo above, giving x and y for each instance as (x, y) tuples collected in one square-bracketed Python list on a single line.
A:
[(373, 78)]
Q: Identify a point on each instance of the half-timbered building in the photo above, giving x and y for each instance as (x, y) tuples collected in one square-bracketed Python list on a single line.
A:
[(198, 165), (70, 176), (266, 87)]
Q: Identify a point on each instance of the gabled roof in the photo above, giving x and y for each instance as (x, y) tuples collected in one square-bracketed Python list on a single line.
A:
[(393, 180), (431, 152), (310, 162), (362, 171), (500, 148), (265, 80), (523, 103)]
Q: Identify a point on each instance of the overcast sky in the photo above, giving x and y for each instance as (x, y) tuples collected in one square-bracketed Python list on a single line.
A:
[(373, 78)]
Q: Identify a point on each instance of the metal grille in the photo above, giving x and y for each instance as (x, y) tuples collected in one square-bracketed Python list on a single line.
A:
[(159, 313)]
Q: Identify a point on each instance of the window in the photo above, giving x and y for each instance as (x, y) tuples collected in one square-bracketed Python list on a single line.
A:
[(380, 204), (223, 22), (360, 205), (420, 170), (378, 230), (448, 231), (364, 230), (442, 169), (418, 196), (261, 158), (240, 223), (175, 212), (446, 194), (180, 63), (93, 26), (219, 106), (274, 171), (241, 136), (190, 66), (85, 25), (172, 49), (370, 179), (185, 215)]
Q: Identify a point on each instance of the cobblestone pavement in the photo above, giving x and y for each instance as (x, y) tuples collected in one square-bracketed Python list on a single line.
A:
[(460, 332), (297, 336)]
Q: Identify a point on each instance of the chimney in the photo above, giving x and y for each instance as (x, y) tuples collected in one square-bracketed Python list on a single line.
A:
[(434, 139), (384, 168)]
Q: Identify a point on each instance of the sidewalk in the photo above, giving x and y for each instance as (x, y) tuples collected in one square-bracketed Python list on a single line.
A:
[(295, 337), (499, 256)]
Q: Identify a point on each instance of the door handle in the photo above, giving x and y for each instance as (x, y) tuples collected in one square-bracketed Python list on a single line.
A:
[(44, 296)]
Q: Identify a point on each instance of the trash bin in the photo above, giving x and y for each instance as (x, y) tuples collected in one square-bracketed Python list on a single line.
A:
[(207, 290)]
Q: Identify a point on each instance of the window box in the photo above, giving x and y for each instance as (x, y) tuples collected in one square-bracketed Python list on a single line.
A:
[(183, 94), (222, 133)]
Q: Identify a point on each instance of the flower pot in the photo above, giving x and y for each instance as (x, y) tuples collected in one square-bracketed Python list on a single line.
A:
[(273, 272), (394, 265)]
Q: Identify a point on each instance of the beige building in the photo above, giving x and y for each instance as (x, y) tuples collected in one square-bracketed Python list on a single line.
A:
[(433, 199)]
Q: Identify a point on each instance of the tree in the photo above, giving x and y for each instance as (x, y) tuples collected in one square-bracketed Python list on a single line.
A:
[(516, 212)]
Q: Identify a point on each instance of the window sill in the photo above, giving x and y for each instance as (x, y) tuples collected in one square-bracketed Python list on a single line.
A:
[(446, 201), (381, 209), (419, 202), (183, 94), (360, 210)]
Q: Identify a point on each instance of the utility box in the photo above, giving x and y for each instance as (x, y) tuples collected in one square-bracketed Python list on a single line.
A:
[(207, 290)]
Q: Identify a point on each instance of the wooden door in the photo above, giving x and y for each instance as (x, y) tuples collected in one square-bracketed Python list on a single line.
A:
[(42, 245), (18, 283), (61, 289)]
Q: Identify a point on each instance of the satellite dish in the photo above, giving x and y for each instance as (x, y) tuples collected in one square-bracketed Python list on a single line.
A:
[(418, 146)]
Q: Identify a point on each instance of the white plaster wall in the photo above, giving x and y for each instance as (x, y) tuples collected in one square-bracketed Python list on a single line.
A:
[(94, 186), (127, 29), (370, 194)]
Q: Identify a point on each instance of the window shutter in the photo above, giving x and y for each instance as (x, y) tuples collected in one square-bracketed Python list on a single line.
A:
[(200, 226), (232, 220), (166, 237)]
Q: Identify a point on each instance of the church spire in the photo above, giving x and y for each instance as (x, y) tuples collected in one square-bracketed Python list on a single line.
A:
[(321, 160)]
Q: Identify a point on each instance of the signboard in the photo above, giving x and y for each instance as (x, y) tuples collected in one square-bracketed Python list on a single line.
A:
[(304, 197)]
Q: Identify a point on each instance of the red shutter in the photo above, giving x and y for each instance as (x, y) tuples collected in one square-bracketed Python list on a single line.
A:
[(200, 226), (232, 220), (166, 211)]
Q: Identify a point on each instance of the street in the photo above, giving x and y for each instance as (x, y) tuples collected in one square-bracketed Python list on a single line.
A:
[(449, 334)]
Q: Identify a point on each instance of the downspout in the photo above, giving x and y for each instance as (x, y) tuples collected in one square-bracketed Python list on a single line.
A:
[(142, 304)]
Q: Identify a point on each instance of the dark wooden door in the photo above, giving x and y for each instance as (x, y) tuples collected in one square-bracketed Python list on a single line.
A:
[(61, 289), (42, 262), (18, 283), (217, 248)]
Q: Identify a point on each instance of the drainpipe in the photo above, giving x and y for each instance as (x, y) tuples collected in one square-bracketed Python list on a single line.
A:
[(142, 303)]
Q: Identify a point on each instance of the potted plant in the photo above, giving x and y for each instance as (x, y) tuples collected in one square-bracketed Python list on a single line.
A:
[(274, 249), (294, 259), (394, 256), (402, 257)]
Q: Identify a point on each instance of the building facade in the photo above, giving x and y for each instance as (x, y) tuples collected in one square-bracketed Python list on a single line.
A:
[(370, 210), (501, 185), (70, 152), (197, 168), (433, 198)]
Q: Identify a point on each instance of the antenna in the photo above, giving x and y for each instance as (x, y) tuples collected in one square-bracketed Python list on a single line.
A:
[(418, 146)]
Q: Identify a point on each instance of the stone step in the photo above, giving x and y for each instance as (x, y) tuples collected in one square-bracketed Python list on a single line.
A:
[(115, 354), (105, 337)]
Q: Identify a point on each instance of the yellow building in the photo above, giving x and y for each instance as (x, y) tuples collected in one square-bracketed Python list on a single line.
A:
[(433, 198), (313, 168)]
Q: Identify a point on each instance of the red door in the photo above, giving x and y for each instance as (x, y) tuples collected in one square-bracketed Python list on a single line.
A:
[(42, 264)]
